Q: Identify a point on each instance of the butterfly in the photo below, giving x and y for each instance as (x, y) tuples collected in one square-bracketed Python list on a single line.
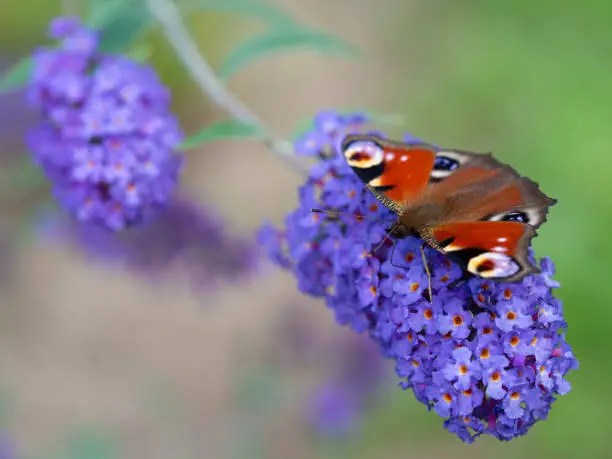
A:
[(479, 212)]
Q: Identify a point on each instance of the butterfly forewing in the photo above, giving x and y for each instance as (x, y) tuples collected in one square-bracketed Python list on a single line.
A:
[(395, 172)]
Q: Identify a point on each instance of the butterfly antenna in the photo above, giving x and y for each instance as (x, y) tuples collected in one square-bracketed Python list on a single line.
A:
[(338, 214), (428, 274)]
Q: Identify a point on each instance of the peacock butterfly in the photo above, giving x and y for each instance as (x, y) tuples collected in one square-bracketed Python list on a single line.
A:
[(479, 212)]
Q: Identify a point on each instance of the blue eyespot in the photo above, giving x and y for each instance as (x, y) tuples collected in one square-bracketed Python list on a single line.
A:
[(442, 163), (516, 216)]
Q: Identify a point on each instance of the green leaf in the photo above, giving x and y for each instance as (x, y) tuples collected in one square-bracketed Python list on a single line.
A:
[(119, 21), (283, 39), (101, 13), (251, 8), (140, 52), (17, 76), (120, 35), (227, 129)]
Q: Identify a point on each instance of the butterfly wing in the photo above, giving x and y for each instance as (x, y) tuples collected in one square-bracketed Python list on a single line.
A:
[(480, 212), (489, 215), (490, 249), (478, 187), (397, 173)]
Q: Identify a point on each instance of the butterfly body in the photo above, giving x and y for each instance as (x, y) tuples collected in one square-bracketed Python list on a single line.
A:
[(477, 211)]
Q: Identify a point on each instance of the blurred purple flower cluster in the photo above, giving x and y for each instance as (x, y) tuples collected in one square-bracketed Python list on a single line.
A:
[(185, 237), (350, 373), (354, 379), (488, 357), (15, 116), (107, 138)]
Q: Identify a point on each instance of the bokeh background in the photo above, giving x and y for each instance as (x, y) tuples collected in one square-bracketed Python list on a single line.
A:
[(99, 361)]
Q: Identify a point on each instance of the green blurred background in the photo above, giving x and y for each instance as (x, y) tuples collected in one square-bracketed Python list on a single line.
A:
[(527, 80)]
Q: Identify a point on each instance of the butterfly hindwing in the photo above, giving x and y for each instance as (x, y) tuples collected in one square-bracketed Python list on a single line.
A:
[(395, 172), (490, 216), (489, 249)]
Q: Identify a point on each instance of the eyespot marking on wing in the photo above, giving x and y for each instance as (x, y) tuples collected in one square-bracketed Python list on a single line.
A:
[(394, 171), (530, 215), (493, 265), (443, 167), (364, 154), (446, 163)]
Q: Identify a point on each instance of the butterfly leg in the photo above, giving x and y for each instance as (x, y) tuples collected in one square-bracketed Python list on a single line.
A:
[(428, 274), (397, 231), (391, 257), (394, 245)]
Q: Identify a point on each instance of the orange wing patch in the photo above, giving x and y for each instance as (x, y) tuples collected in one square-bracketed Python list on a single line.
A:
[(399, 172), (405, 174), (489, 249), (501, 237)]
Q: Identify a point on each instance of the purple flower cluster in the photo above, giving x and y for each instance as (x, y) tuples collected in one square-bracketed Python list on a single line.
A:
[(107, 137), (488, 357), (184, 239)]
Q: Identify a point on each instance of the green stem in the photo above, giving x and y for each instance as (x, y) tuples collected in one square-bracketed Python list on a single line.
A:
[(169, 17)]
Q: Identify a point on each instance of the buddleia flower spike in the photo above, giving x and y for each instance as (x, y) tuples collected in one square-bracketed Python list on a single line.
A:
[(488, 357)]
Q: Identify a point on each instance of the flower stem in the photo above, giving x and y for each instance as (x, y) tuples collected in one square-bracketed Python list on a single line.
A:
[(168, 15)]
